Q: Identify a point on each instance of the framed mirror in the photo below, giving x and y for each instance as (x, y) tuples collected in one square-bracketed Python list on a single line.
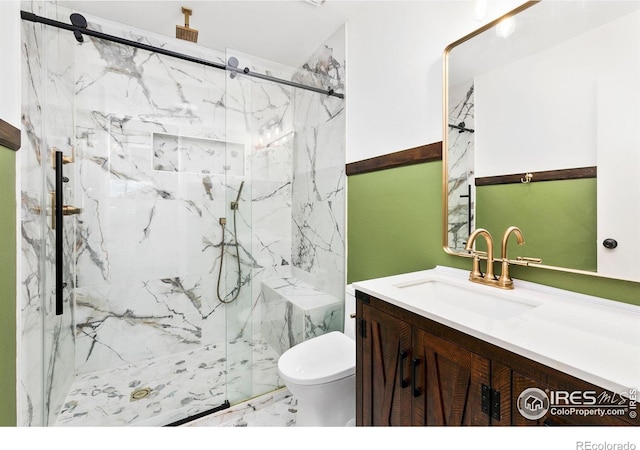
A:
[(542, 131)]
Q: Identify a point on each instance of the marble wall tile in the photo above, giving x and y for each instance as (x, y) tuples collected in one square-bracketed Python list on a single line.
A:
[(124, 323), (175, 153)]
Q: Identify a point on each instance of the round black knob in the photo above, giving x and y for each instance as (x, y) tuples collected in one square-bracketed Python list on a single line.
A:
[(610, 243), (78, 20)]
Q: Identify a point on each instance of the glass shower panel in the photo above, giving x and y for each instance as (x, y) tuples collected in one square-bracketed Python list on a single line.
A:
[(148, 136), (150, 155), (47, 366), (235, 286), (259, 114), (318, 192)]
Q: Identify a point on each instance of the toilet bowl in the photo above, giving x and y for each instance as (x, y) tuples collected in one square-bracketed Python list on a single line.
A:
[(321, 374)]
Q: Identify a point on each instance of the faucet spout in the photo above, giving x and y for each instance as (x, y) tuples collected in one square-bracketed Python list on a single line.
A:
[(505, 280), (476, 275), (505, 238)]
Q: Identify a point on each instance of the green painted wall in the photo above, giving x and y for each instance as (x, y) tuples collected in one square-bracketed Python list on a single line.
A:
[(394, 222), (7, 287), (558, 220)]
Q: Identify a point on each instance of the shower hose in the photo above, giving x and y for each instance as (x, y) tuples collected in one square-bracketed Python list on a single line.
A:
[(221, 298)]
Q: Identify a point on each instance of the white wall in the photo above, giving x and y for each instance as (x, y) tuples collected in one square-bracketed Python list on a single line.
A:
[(394, 71), (10, 57)]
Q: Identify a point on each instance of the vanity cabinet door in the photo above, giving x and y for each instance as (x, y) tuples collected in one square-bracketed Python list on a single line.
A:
[(383, 345), (447, 382)]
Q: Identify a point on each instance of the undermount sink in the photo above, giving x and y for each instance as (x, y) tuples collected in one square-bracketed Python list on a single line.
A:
[(498, 305)]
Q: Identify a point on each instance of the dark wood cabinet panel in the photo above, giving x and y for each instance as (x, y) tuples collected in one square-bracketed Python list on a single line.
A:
[(448, 381), (385, 343)]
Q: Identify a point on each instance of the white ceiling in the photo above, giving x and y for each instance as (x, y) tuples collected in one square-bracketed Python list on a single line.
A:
[(287, 32)]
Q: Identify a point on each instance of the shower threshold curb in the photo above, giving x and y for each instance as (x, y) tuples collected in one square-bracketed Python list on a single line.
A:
[(225, 405)]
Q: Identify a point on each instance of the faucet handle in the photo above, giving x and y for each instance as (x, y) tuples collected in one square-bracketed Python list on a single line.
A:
[(475, 266), (528, 260)]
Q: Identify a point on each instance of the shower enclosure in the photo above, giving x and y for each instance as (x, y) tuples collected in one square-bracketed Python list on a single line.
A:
[(184, 187)]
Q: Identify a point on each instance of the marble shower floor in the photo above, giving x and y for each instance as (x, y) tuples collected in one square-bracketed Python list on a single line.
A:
[(182, 385)]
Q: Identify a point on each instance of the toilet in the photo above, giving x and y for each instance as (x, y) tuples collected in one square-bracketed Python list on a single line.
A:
[(321, 374)]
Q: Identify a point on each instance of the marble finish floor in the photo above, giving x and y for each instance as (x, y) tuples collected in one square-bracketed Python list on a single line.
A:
[(181, 386)]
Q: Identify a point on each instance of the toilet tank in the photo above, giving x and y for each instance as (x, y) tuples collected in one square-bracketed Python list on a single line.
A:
[(350, 308)]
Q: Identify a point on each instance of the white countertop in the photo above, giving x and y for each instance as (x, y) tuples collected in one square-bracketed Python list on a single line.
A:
[(591, 338)]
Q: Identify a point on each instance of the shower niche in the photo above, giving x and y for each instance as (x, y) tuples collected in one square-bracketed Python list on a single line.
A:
[(165, 151), (176, 153)]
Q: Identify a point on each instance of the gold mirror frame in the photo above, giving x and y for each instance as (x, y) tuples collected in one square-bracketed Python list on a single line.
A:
[(445, 150)]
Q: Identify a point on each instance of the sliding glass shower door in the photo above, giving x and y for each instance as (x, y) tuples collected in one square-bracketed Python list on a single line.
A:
[(150, 270), (153, 257)]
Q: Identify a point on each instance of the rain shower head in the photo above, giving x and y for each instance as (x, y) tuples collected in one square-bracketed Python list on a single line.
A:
[(186, 33)]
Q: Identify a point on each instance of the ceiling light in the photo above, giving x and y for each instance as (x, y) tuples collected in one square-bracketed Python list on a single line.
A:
[(316, 2), (480, 9), (505, 27)]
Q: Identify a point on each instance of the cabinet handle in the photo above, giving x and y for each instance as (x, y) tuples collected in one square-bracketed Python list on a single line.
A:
[(403, 355), (417, 392)]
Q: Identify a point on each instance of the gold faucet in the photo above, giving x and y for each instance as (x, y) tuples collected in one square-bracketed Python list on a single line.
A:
[(476, 275), (505, 281)]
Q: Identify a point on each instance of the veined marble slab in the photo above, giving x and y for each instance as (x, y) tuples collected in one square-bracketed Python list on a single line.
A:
[(294, 311)]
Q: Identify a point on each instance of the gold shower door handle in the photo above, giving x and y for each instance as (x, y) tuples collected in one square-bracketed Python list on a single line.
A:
[(68, 210)]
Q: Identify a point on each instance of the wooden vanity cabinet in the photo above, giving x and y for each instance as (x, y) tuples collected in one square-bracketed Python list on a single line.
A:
[(381, 345), (413, 371)]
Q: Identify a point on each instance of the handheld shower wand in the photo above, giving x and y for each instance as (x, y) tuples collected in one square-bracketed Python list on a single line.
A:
[(236, 204), (234, 207)]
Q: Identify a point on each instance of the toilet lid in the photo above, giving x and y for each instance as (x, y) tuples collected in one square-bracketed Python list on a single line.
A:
[(323, 359)]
